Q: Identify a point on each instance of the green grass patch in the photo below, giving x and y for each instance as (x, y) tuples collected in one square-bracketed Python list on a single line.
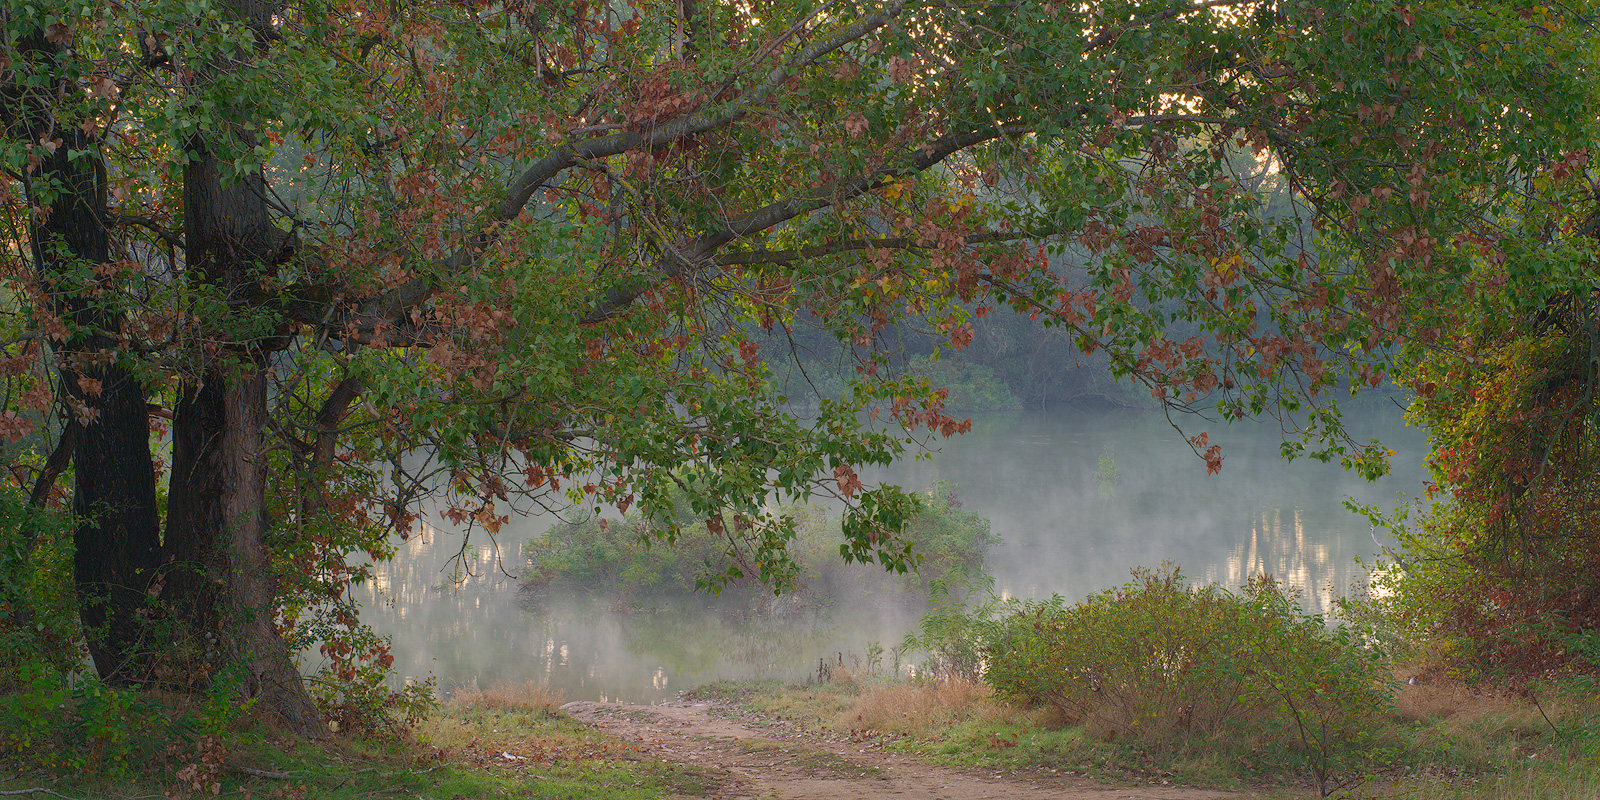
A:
[(497, 743)]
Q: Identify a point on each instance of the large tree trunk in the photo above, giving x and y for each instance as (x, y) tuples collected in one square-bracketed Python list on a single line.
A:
[(117, 537), (221, 579), (222, 583)]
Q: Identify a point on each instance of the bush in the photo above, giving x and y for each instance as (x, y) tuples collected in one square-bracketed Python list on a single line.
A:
[(631, 558), (1157, 660), (65, 723), (953, 636), (1478, 610), (38, 605)]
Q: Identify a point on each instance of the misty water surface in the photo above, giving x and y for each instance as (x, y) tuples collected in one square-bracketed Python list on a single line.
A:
[(1078, 498)]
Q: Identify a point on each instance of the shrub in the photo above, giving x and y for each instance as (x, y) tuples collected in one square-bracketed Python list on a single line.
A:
[(64, 723), (1156, 660), (38, 611), (631, 558), (952, 636)]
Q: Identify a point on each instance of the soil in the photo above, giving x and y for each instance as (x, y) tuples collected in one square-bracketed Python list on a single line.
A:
[(752, 757)]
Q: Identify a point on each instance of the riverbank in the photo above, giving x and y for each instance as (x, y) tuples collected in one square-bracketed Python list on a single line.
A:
[(761, 756), (857, 737), (1442, 739)]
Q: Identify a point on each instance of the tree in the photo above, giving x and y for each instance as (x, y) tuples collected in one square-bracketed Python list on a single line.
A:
[(1504, 562), (504, 253)]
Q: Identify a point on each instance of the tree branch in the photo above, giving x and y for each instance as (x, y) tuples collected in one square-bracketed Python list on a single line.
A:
[(746, 257), (334, 408), (172, 239), (57, 463), (698, 251), (35, 790), (395, 302)]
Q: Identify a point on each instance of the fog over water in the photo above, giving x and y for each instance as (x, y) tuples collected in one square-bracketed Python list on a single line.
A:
[(1078, 498)]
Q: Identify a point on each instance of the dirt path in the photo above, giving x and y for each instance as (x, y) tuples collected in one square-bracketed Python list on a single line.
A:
[(776, 760)]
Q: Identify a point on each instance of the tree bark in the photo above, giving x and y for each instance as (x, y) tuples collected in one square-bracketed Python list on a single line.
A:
[(220, 576), (220, 568), (117, 537)]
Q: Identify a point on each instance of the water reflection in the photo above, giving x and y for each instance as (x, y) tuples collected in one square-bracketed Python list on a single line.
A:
[(1077, 499)]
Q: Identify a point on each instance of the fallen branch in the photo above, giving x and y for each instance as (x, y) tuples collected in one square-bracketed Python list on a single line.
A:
[(261, 773), (36, 790)]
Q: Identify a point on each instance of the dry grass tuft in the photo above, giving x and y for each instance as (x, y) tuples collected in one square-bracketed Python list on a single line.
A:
[(1442, 699), (526, 696), (921, 710), (519, 718), (1520, 784), (842, 679)]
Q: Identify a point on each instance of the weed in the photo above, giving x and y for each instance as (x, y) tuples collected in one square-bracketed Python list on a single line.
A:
[(920, 710), (506, 696)]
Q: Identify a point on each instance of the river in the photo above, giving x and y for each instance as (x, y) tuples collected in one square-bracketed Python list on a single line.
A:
[(1078, 499)]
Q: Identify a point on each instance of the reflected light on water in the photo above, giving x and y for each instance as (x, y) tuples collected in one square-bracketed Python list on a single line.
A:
[(1290, 554), (1077, 500)]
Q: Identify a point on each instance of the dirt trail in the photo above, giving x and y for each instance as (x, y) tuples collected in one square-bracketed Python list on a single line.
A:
[(777, 760)]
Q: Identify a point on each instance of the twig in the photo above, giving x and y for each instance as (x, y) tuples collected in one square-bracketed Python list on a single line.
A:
[(35, 790), (1534, 696), (261, 773)]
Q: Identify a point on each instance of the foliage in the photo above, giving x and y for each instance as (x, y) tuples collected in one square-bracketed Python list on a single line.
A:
[(1157, 659), (954, 633), (970, 387), (1504, 563), (365, 257), (622, 558), (318, 613), (1014, 360), (950, 541), (638, 556), (37, 623), (357, 695), (65, 723), (1499, 568)]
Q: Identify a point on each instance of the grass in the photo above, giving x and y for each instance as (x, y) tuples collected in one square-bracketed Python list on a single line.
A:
[(1443, 741), (499, 741)]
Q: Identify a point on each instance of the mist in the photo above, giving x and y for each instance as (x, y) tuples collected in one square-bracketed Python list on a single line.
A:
[(1078, 499)]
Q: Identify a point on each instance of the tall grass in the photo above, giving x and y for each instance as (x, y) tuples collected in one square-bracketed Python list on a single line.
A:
[(526, 696), (1520, 784), (922, 710)]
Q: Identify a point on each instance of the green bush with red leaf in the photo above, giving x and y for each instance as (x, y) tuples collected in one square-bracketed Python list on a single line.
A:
[(1158, 662), (1502, 571)]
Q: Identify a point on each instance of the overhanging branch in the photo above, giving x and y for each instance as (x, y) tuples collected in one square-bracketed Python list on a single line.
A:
[(749, 257), (395, 302), (699, 252)]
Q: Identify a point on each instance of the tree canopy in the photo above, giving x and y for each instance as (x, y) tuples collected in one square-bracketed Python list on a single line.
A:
[(279, 270)]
